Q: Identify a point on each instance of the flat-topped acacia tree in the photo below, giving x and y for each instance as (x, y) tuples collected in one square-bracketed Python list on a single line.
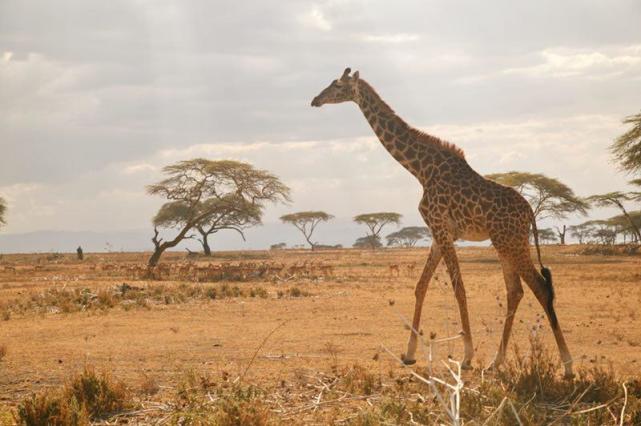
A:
[(548, 196), (199, 190), (408, 236), (375, 222), (547, 236), (581, 232), (616, 199), (306, 222), (367, 242)]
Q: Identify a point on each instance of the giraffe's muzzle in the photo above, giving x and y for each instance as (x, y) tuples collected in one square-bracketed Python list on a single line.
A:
[(316, 102)]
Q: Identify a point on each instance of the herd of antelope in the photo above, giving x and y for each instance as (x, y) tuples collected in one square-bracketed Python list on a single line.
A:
[(395, 269), (199, 272), (242, 271)]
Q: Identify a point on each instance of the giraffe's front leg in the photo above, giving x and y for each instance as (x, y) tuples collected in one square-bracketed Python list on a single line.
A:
[(421, 288), (449, 255)]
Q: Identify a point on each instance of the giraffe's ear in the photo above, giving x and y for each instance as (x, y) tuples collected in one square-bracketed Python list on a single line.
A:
[(355, 76), (345, 75)]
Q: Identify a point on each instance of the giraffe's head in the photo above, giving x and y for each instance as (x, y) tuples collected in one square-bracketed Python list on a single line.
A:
[(341, 90)]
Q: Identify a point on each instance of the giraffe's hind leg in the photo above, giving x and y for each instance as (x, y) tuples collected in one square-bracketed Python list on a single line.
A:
[(544, 293), (514, 295)]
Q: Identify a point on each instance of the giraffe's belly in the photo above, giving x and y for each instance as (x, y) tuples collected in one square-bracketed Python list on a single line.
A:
[(475, 235), (470, 231)]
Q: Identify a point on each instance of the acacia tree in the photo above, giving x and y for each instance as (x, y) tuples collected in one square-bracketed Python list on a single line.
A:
[(627, 147), (601, 231), (581, 232), (232, 212), (200, 189), (306, 222), (548, 196), (627, 225), (547, 235), (408, 236), (3, 211), (616, 199), (376, 221), (368, 241)]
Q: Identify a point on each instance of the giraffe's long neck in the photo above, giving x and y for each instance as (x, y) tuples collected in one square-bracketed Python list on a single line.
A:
[(392, 130)]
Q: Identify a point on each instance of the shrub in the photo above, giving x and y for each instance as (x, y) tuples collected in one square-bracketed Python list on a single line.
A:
[(86, 397)]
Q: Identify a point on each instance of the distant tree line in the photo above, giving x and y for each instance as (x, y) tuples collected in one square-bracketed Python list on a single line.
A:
[(205, 197)]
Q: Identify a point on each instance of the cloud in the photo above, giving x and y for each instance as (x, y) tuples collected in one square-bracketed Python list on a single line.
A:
[(95, 100), (316, 19), (139, 168), (389, 38), (564, 63)]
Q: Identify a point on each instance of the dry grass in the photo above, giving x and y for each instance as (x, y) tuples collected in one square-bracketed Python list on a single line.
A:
[(86, 397), (528, 391), (325, 365), (53, 300), (611, 250)]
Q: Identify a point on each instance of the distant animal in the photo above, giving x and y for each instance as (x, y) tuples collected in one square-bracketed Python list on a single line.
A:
[(10, 268), (457, 203), (410, 267), (394, 268)]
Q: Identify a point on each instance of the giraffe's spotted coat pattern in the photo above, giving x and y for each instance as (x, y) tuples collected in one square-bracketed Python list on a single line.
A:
[(457, 203)]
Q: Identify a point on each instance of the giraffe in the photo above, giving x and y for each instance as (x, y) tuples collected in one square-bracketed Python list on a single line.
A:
[(457, 203)]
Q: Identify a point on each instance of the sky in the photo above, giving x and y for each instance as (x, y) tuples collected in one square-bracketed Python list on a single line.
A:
[(97, 96)]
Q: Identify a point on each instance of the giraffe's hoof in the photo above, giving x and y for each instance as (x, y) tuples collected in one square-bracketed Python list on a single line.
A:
[(491, 368), (466, 365), (568, 375), (408, 361)]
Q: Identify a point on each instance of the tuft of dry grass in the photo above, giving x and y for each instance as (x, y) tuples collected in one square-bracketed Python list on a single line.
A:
[(86, 397), (293, 292), (201, 401), (148, 385), (531, 385)]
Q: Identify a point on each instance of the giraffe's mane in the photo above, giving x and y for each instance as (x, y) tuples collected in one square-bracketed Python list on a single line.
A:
[(447, 146), (421, 135)]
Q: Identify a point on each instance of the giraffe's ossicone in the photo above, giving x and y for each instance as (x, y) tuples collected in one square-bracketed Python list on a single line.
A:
[(457, 203)]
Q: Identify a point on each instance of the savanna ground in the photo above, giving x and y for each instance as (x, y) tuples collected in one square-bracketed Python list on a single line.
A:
[(309, 348)]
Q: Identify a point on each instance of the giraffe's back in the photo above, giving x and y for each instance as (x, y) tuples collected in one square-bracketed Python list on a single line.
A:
[(475, 208)]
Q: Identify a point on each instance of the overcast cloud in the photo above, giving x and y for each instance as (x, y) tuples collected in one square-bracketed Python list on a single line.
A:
[(96, 96)]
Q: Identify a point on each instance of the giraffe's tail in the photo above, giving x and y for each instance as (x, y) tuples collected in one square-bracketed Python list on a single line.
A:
[(547, 276)]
